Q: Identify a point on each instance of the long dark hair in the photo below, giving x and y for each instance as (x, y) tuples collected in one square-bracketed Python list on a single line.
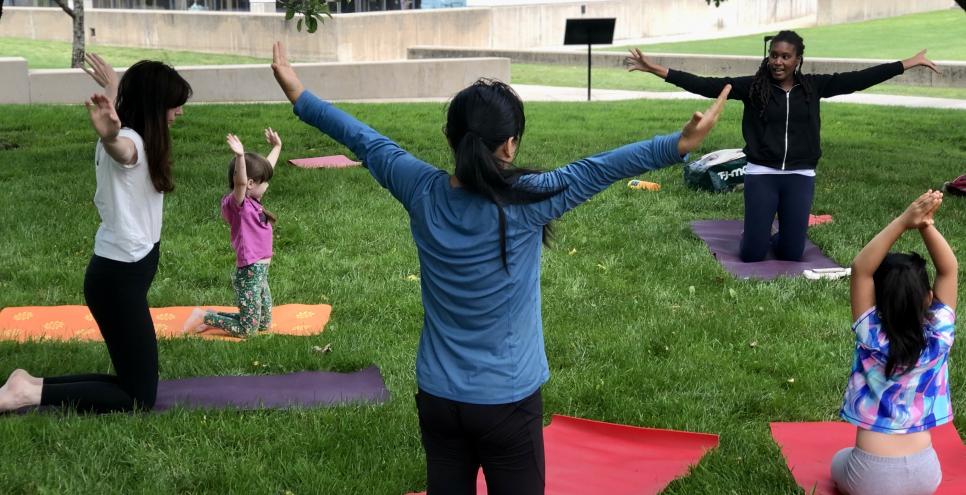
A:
[(480, 118), (259, 170), (146, 92), (901, 288), (762, 82)]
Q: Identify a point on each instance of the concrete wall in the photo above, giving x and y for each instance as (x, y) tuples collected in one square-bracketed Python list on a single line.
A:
[(954, 73), (247, 83), (14, 80), (386, 35), (837, 11)]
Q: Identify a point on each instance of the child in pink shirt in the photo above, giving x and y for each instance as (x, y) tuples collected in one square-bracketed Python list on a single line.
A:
[(251, 237)]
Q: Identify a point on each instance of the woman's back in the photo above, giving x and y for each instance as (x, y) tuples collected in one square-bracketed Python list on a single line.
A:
[(482, 338)]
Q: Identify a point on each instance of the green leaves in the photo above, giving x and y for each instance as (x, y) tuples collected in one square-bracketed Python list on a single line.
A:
[(717, 3), (312, 12)]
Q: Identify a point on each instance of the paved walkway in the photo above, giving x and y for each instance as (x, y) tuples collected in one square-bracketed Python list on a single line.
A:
[(553, 93)]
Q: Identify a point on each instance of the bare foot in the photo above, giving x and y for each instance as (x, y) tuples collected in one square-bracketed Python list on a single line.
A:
[(21, 390), (33, 380), (195, 322)]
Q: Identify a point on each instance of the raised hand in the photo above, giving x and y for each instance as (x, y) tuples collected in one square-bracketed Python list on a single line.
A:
[(235, 144), (930, 215), (285, 74), (919, 214), (102, 73), (638, 62), (701, 124), (918, 60), (103, 117), (272, 137)]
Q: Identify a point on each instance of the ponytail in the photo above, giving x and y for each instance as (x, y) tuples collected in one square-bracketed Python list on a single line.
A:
[(901, 288), (480, 119)]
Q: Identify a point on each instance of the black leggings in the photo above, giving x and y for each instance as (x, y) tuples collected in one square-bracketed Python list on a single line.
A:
[(117, 295), (788, 195), (505, 439)]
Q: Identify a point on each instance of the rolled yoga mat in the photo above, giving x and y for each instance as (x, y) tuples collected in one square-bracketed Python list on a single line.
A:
[(304, 389), (587, 457), (809, 447), (723, 238)]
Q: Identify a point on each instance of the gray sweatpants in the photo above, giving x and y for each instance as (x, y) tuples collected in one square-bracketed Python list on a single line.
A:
[(857, 472)]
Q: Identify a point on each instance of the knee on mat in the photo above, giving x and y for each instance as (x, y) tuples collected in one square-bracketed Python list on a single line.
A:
[(752, 257)]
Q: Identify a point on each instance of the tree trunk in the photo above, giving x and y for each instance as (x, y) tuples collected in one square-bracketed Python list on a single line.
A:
[(77, 14), (77, 54)]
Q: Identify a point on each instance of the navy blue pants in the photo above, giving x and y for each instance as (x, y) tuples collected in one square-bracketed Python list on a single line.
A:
[(506, 440), (788, 195), (117, 295)]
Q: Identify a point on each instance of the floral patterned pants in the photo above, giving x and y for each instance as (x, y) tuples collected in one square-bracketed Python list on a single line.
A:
[(254, 303)]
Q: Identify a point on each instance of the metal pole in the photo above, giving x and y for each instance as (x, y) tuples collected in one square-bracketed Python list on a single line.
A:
[(588, 71)]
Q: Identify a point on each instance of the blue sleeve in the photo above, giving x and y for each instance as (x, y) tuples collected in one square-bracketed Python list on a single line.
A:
[(584, 178), (392, 167)]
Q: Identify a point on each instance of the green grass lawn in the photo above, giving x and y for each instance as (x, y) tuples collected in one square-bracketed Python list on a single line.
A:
[(642, 327), (942, 32), (43, 54)]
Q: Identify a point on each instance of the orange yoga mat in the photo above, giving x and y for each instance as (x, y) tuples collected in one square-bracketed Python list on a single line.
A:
[(586, 457), (75, 322), (809, 447)]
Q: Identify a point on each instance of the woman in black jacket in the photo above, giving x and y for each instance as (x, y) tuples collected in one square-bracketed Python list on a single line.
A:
[(780, 125)]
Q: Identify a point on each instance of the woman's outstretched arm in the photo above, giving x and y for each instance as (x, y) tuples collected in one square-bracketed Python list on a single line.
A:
[(391, 166), (841, 83), (584, 178), (709, 87)]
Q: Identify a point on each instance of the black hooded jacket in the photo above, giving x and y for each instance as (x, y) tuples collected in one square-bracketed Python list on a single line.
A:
[(787, 136)]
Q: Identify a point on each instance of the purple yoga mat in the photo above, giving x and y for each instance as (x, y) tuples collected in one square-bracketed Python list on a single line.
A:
[(723, 238), (304, 389)]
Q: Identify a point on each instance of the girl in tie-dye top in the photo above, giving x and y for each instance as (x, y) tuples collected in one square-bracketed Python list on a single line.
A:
[(899, 387)]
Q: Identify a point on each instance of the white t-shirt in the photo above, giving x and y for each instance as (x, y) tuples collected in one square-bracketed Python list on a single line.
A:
[(128, 204)]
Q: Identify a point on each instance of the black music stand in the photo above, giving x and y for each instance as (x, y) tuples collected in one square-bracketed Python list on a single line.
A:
[(589, 32)]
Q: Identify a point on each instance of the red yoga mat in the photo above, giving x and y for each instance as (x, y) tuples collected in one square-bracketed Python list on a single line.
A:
[(808, 449), (586, 457), (334, 161)]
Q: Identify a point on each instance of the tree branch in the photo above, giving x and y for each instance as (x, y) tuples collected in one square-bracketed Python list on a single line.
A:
[(63, 5)]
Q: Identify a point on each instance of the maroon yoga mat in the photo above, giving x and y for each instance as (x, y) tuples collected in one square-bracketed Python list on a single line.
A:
[(723, 238), (304, 389)]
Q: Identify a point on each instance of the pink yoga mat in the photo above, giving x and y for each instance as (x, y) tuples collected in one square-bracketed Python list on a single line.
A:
[(334, 161), (586, 457), (808, 449)]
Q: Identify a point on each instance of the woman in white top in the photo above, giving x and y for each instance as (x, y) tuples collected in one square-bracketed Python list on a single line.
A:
[(133, 169)]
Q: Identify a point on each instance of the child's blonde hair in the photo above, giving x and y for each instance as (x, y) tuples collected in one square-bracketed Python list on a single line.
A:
[(259, 170)]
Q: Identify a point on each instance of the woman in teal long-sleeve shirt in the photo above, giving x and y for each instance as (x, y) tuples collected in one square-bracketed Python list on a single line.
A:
[(478, 233)]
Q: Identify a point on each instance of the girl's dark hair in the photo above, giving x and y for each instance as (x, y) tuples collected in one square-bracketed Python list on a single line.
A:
[(259, 170), (146, 92), (901, 288), (480, 118), (762, 82)]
